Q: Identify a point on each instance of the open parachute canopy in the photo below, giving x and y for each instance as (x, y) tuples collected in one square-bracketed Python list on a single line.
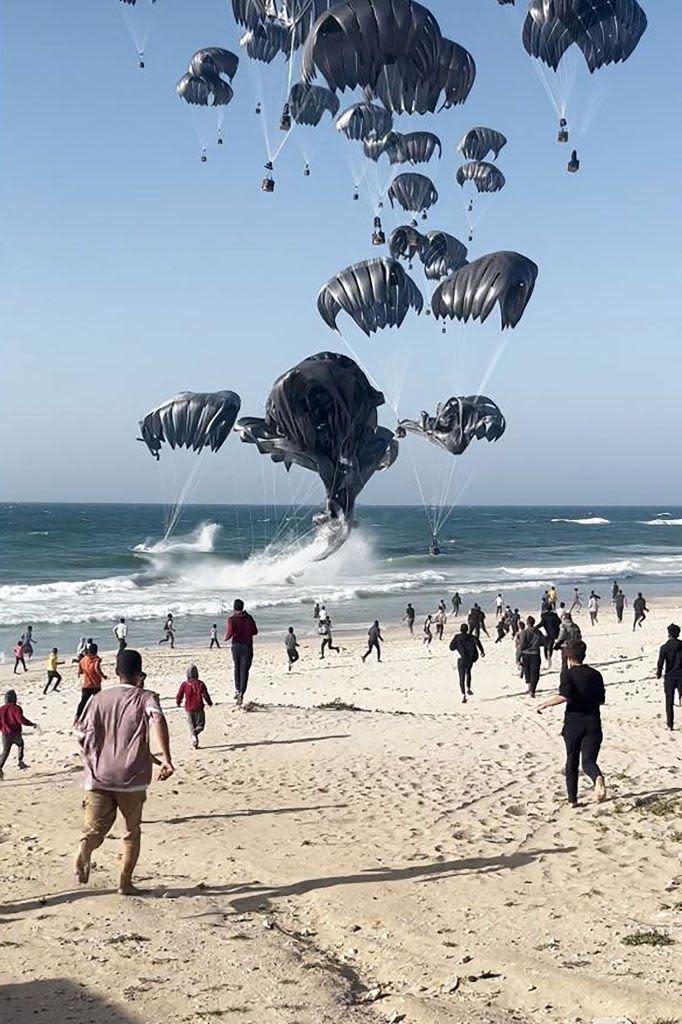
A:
[(606, 31), (375, 293), (309, 103), (409, 148), (364, 121), (441, 254), (412, 191), (457, 422), (322, 415), (486, 177), (266, 41), (204, 83), (478, 142), (507, 278), (405, 242), (192, 419)]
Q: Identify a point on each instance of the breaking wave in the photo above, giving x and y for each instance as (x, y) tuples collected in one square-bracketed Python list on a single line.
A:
[(589, 521)]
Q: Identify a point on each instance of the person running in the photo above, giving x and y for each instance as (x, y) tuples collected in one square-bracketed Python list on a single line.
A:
[(581, 689), (551, 624), (529, 648), (90, 668), (544, 603), (640, 609), (553, 598), (499, 606), (194, 694), (120, 631), (569, 633), (502, 627), (615, 590), (241, 628), (456, 603), (514, 620), (168, 631), (373, 638), (19, 659), (577, 605), (53, 674), (440, 618), (325, 631), (428, 635), (593, 607), (619, 603), (214, 642), (563, 611), (408, 617), (28, 642), (322, 615), (468, 648), (12, 719), (316, 611), (670, 668), (114, 732), (476, 621), (291, 645)]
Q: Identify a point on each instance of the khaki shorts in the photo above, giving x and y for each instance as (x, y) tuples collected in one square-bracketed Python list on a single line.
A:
[(100, 813)]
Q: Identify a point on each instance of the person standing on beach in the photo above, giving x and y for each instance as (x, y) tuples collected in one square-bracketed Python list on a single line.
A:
[(373, 638), (593, 607), (12, 719), (468, 648), (241, 629), (322, 615), (194, 694), (90, 668), (409, 617), (115, 731), (619, 603), (440, 618), (531, 643), (325, 631), (456, 603), (670, 668), (291, 645), (120, 631), (553, 598), (214, 642), (316, 611), (168, 631), (53, 674), (640, 609), (581, 689), (615, 590), (499, 606), (19, 656), (28, 642)]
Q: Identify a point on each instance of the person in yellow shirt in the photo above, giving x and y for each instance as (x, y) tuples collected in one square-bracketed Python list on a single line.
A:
[(53, 675), (552, 597)]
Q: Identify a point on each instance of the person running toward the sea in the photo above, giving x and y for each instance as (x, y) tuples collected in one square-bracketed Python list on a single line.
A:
[(553, 598), (373, 638), (514, 620), (614, 591), (476, 621), (90, 668), (577, 604), (531, 643), (53, 674), (19, 658), (670, 668), (427, 632), (502, 627), (28, 642), (114, 732), (551, 624), (168, 631), (120, 631), (593, 607), (214, 642), (619, 603), (291, 646), (456, 603), (544, 604), (640, 609), (325, 631), (581, 690), (468, 648), (241, 629), (12, 719), (440, 618), (195, 695), (408, 617), (499, 606), (569, 633), (316, 611)]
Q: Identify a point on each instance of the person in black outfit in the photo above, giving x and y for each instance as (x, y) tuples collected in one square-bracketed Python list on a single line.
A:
[(476, 620), (551, 623), (581, 689), (531, 643), (468, 647), (373, 638), (619, 602), (640, 609), (409, 617), (670, 667)]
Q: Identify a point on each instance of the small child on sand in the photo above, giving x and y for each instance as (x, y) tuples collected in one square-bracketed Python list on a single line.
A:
[(194, 694), (11, 720)]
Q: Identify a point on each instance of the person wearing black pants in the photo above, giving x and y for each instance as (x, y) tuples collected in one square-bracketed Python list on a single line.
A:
[(531, 642), (241, 629), (468, 647), (581, 689), (373, 638), (670, 667)]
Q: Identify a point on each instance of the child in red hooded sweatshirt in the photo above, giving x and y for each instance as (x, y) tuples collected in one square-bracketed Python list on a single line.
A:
[(11, 720), (194, 694)]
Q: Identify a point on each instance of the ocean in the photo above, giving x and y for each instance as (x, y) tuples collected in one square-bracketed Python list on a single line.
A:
[(72, 570)]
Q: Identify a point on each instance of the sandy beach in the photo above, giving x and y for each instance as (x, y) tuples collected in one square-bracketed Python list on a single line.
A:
[(411, 859)]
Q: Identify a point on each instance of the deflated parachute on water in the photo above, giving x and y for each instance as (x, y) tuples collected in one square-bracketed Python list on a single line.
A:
[(375, 293), (507, 278), (192, 419), (457, 422)]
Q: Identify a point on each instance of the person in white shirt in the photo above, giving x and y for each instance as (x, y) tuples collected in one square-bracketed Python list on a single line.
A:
[(120, 631), (499, 606), (593, 607)]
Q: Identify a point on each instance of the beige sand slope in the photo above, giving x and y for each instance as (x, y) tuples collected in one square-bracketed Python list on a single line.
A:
[(412, 858)]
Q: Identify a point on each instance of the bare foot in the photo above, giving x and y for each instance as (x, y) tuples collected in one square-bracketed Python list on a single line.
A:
[(83, 867), (600, 789), (126, 887)]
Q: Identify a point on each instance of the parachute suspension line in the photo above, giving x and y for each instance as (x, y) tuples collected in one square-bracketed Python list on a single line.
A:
[(457, 499), (290, 70), (192, 481), (139, 24), (427, 511), (492, 364), (258, 88)]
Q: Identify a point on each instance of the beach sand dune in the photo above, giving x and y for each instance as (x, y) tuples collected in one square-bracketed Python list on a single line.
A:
[(413, 857)]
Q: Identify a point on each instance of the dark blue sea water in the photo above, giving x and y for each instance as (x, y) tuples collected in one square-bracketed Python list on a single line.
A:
[(74, 569)]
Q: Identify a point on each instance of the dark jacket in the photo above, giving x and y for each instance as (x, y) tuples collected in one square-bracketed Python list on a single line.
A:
[(467, 646), (531, 642), (551, 623), (670, 660)]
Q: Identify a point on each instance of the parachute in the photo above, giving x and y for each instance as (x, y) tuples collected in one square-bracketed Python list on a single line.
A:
[(478, 142), (322, 415), (507, 278), (364, 121), (441, 254), (204, 81), (486, 177), (266, 41), (606, 31), (375, 293), (411, 148), (308, 103), (457, 422), (192, 420), (452, 74), (405, 242), (412, 191)]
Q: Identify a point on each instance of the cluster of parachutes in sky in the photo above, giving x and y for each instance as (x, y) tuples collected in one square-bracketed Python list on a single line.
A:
[(322, 413)]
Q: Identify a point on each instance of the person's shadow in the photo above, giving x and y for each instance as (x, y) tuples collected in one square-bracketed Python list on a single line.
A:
[(58, 999)]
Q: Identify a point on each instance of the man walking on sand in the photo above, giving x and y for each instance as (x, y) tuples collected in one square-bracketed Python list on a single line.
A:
[(241, 629), (114, 732), (640, 609), (670, 668)]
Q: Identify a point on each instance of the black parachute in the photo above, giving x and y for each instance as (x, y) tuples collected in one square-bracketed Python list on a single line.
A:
[(192, 419), (452, 75), (405, 242), (408, 148), (457, 422), (412, 191), (486, 177), (204, 81), (364, 121), (507, 278), (265, 41), (308, 103), (478, 142), (322, 415), (606, 31), (441, 254), (375, 293)]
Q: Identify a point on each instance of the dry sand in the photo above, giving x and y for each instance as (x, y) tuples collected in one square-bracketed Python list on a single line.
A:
[(306, 861)]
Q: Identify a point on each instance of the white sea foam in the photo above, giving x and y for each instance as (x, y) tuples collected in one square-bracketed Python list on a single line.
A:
[(660, 522), (589, 521), (201, 539)]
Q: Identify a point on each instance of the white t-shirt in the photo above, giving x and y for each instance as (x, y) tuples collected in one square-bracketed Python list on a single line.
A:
[(120, 630)]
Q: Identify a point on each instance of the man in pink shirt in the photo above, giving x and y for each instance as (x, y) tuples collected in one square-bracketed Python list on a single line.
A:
[(114, 731), (241, 629)]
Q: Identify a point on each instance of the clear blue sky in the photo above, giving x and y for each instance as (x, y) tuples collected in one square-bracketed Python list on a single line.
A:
[(133, 271)]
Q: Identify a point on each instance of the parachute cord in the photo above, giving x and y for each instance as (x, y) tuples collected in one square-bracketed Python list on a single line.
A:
[(139, 26)]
